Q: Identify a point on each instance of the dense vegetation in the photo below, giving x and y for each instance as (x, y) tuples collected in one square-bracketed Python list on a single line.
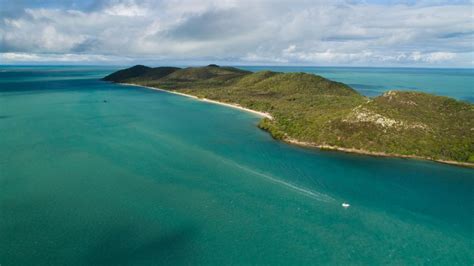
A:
[(143, 72), (320, 112)]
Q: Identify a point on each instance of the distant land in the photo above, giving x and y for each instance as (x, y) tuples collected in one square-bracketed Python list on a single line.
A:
[(309, 110)]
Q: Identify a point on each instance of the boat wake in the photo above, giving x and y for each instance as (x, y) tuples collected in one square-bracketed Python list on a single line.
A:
[(304, 191), (313, 194)]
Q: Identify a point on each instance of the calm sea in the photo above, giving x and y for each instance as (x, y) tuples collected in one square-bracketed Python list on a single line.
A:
[(93, 173)]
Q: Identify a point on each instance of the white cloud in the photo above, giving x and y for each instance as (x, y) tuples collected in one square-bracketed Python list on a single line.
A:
[(439, 57), (45, 58), (301, 31), (126, 9)]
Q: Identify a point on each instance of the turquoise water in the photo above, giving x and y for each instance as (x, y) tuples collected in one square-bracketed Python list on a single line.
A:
[(456, 83), (150, 178)]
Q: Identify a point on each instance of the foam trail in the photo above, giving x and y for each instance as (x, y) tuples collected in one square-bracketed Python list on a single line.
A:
[(315, 195)]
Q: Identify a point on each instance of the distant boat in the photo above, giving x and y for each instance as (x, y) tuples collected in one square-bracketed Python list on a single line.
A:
[(345, 205)]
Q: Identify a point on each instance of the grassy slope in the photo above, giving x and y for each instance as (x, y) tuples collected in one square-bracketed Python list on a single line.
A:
[(415, 124), (312, 109)]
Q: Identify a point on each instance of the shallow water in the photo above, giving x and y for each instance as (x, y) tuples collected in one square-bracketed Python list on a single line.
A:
[(149, 177)]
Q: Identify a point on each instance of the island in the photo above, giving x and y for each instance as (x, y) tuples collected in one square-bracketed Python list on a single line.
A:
[(309, 110)]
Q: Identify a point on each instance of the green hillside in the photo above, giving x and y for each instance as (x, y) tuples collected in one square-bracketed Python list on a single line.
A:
[(320, 112), (125, 74), (143, 72)]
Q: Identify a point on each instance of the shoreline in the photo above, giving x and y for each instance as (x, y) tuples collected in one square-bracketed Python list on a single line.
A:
[(236, 106), (309, 144), (373, 153)]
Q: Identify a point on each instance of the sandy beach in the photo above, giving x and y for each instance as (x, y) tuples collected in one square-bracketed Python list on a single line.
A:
[(236, 106)]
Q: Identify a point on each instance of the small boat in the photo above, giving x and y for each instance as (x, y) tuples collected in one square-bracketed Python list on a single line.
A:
[(345, 205)]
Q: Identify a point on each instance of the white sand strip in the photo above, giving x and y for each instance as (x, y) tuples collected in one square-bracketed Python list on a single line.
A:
[(236, 106)]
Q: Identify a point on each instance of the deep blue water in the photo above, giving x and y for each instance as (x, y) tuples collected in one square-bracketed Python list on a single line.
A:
[(97, 173)]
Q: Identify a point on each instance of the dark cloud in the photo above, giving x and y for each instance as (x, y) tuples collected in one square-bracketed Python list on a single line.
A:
[(212, 24), (88, 45)]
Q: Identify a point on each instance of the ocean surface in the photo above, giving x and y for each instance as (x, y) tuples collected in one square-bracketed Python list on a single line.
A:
[(93, 173)]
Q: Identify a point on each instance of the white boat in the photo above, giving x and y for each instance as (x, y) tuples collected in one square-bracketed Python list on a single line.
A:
[(345, 205)]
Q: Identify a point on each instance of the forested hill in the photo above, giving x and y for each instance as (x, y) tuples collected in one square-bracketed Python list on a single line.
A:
[(311, 110)]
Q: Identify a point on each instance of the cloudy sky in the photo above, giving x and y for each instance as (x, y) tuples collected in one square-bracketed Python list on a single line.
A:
[(432, 33)]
